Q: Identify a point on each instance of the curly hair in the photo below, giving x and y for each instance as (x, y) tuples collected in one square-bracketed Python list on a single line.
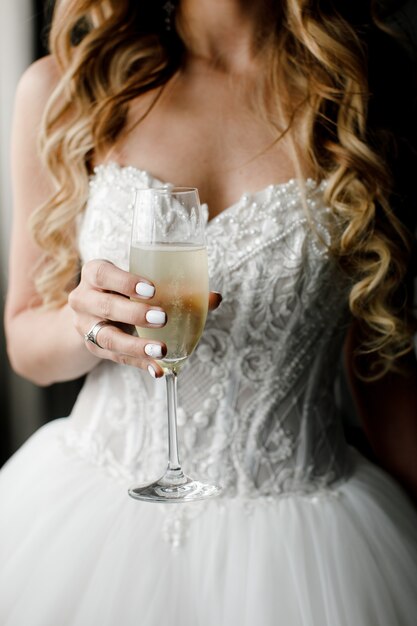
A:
[(111, 51)]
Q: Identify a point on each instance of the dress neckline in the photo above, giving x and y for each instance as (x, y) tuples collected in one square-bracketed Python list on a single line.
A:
[(136, 175)]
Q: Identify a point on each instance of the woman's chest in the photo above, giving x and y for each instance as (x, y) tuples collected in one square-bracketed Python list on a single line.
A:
[(212, 140)]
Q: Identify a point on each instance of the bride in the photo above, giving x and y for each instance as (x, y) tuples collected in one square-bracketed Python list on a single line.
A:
[(263, 107)]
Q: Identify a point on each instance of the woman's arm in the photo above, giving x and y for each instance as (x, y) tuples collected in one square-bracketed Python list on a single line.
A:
[(43, 346), (48, 346), (387, 409)]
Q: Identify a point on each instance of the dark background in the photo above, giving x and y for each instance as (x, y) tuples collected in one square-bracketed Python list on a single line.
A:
[(57, 400)]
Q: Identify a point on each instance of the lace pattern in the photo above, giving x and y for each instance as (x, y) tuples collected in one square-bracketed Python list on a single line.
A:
[(256, 402)]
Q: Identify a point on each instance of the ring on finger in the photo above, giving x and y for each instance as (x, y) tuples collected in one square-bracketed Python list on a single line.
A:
[(91, 336)]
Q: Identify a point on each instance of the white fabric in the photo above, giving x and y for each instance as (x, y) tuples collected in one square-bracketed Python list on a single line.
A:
[(306, 533)]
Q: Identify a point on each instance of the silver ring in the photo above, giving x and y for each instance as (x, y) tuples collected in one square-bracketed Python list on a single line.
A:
[(91, 336)]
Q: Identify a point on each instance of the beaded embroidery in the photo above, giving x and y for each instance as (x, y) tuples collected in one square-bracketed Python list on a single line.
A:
[(256, 402)]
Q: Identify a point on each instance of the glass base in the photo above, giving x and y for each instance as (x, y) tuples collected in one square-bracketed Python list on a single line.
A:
[(174, 487)]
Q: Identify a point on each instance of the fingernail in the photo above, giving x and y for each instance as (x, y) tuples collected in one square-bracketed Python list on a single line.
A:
[(155, 317), (145, 290), (152, 371), (153, 350)]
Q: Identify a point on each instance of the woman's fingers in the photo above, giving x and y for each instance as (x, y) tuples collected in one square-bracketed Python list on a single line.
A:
[(115, 307), (111, 342), (107, 292), (123, 301), (105, 276), (215, 299)]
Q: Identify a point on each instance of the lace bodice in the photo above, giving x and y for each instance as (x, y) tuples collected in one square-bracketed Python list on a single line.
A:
[(256, 399)]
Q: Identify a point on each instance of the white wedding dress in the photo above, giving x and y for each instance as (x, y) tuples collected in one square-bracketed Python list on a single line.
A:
[(306, 532)]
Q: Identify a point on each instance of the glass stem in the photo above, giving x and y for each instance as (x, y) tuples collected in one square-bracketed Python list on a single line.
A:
[(174, 466)]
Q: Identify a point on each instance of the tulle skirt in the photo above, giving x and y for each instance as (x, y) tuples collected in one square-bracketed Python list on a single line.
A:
[(76, 550)]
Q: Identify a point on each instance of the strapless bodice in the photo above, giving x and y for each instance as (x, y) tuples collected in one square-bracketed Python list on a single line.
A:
[(257, 408)]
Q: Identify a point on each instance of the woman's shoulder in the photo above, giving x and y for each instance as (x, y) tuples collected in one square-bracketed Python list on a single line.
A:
[(39, 80)]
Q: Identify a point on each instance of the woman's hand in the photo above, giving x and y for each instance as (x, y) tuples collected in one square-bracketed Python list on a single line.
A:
[(105, 292)]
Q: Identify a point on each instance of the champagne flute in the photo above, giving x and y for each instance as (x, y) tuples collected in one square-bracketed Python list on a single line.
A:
[(168, 248)]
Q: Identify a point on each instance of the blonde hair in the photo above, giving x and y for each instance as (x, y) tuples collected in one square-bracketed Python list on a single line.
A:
[(110, 51)]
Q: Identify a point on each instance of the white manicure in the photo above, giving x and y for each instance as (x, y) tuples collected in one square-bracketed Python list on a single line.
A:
[(151, 371), (145, 290), (155, 317), (153, 350)]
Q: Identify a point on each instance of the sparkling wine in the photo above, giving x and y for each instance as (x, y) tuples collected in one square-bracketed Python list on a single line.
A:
[(180, 275)]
